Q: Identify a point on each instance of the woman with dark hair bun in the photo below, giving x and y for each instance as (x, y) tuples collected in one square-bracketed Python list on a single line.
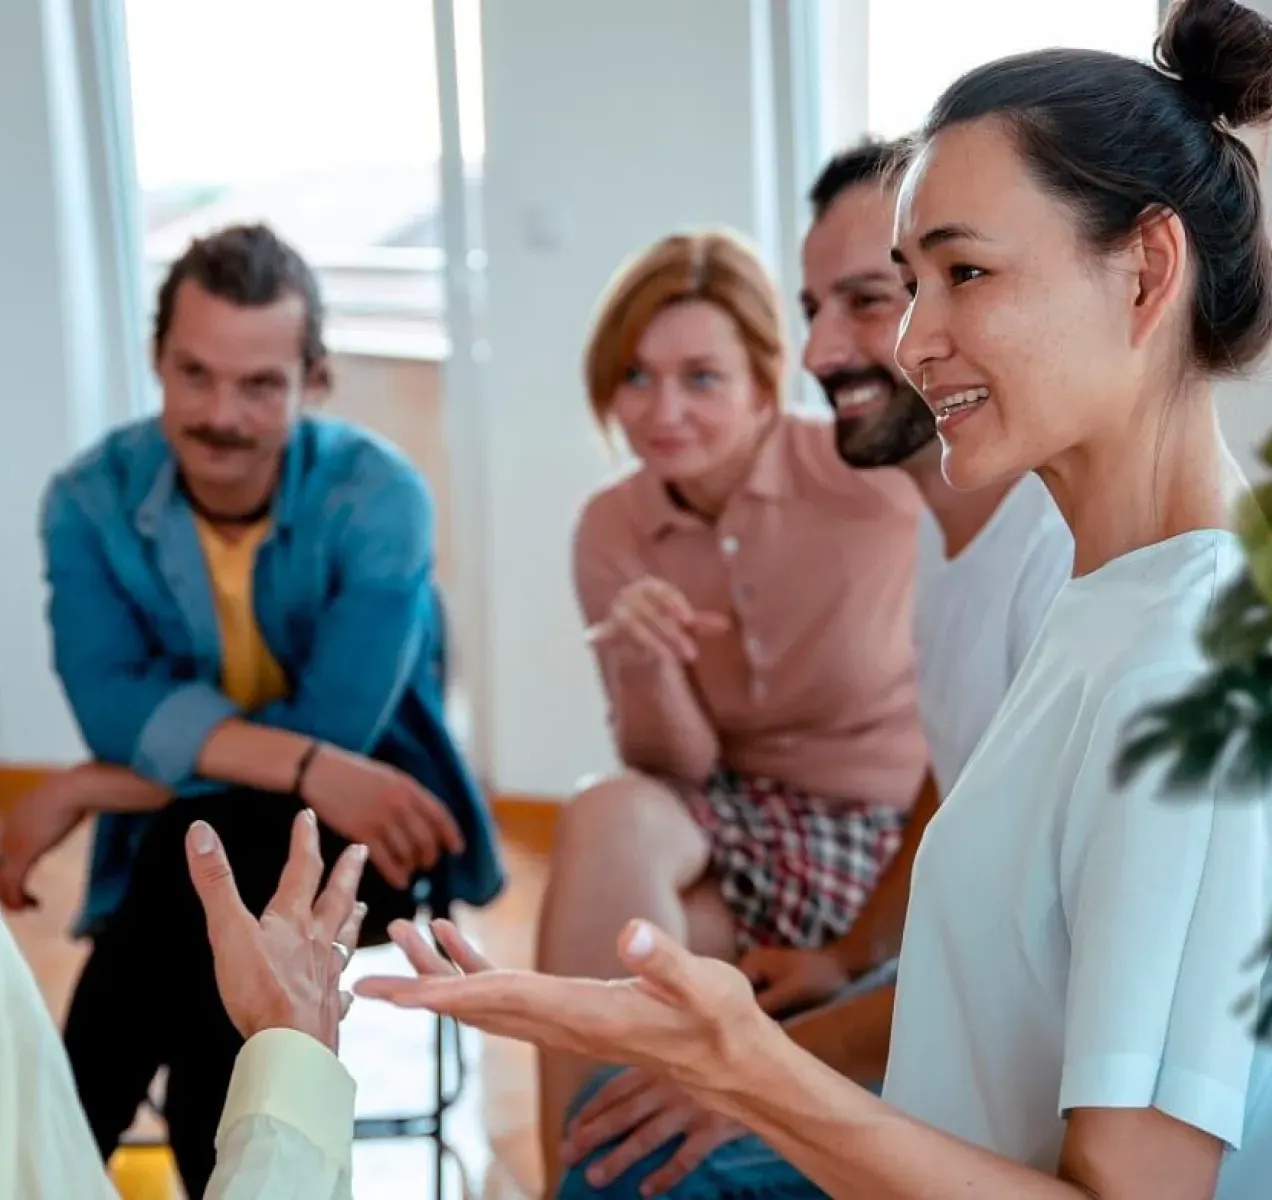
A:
[(1086, 248)]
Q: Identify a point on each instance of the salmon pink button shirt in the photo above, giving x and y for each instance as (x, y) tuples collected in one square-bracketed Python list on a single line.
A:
[(814, 684)]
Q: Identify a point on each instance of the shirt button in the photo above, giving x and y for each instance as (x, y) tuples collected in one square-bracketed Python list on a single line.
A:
[(753, 647), (729, 545)]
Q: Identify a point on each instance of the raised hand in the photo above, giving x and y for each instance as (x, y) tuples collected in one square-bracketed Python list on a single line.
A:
[(283, 971)]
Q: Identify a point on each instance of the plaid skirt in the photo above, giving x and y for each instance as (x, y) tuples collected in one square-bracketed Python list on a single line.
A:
[(795, 869)]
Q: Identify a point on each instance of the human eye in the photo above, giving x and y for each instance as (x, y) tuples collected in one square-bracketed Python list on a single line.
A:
[(964, 273)]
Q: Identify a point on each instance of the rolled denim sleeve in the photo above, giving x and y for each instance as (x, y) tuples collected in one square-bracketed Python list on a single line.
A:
[(380, 618), (130, 708), (167, 749)]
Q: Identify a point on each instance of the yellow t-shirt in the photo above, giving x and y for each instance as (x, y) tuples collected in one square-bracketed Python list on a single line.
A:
[(250, 676)]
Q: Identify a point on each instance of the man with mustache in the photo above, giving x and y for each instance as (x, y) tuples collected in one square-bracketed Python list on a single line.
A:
[(990, 564), (245, 623)]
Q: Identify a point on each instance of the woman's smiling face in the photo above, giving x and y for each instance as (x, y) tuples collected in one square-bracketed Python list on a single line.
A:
[(1019, 336)]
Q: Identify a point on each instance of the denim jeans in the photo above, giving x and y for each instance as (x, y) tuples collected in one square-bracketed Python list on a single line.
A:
[(742, 1170), (746, 1169)]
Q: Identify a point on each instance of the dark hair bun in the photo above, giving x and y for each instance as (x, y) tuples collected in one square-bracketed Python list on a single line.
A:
[(1221, 53)]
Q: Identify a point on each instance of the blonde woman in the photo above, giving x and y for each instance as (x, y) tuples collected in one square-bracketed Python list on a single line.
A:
[(748, 600)]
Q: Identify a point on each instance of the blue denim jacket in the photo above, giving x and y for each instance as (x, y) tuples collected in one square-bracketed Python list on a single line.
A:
[(344, 597)]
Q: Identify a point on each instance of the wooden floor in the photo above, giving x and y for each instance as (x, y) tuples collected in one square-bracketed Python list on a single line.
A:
[(389, 1053)]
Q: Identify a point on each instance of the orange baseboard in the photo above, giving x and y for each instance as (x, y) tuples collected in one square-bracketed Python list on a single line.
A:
[(14, 781), (530, 821)]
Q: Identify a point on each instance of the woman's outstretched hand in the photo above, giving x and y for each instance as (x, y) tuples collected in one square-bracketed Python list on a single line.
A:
[(694, 1019)]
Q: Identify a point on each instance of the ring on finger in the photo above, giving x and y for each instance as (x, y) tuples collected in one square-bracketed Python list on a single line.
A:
[(344, 953)]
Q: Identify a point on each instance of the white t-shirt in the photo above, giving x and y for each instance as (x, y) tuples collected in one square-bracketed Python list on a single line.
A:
[(977, 615), (1100, 962)]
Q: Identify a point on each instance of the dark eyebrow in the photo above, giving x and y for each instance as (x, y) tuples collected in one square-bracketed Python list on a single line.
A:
[(266, 375), (865, 279), (939, 237), (846, 285)]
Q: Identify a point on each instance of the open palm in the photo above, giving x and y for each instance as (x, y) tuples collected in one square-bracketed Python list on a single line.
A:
[(680, 1015)]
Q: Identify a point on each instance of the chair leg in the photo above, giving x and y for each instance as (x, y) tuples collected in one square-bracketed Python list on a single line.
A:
[(440, 1106)]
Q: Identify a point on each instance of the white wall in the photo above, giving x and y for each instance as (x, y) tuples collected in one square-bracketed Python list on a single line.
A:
[(51, 356), (608, 126)]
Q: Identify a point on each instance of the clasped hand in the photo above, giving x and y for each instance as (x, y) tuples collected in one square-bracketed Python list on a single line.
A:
[(405, 828)]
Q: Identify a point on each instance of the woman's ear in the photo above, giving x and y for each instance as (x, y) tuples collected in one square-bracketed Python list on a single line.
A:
[(1160, 261)]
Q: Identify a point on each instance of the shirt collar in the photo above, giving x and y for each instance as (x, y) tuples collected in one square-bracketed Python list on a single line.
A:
[(769, 479), (165, 492)]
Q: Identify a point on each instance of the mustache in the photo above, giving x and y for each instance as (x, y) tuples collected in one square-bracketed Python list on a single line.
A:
[(219, 439), (840, 380)]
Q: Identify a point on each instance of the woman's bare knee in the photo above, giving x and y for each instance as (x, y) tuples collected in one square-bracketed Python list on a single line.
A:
[(632, 820)]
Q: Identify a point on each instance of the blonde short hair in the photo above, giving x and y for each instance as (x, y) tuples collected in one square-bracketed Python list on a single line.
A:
[(715, 266)]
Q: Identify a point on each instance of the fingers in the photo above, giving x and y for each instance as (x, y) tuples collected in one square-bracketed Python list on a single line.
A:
[(497, 1003), (426, 960), (411, 832), (665, 618), (781, 994), (434, 822), (659, 636), (755, 965), (573, 1015), (417, 827), (657, 616), (214, 882), (349, 931), (648, 1137), (613, 1091), (445, 825), (711, 624), (700, 1143), (335, 907), (14, 872), (398, 839), (302, 872), (621, 1115), (462, 952), (396, 871), (658, 959)]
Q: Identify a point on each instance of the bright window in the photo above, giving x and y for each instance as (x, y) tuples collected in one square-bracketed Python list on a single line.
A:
[(317, 116), (916, 48)]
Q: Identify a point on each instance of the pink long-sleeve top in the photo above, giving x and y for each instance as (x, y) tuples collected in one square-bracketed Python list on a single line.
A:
[(814, 683)]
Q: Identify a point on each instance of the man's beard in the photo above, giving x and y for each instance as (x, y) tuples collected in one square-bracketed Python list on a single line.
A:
[(885, 438)]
